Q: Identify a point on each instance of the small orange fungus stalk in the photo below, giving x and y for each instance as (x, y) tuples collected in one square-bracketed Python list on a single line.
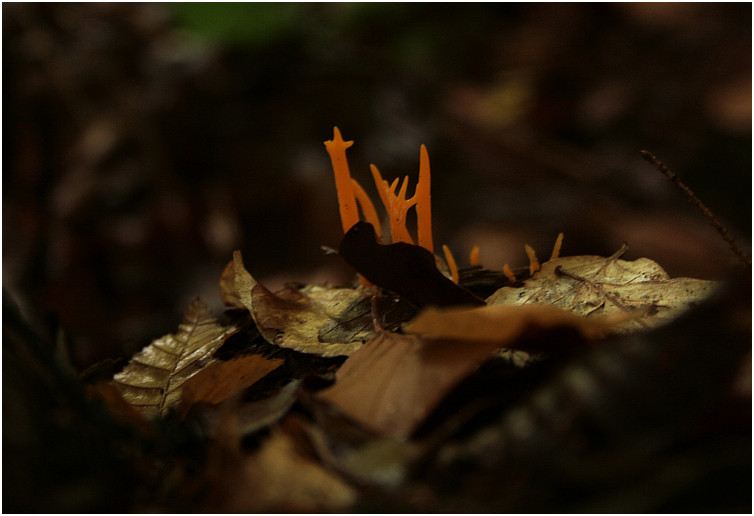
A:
[(424, 202), (474, 256), (533, 262), (396, 205), (556, 248), (509, 273), (451, 264), (367, 208), (336, 148)]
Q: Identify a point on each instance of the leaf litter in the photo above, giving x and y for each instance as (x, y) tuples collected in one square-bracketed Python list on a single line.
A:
[(392, 381), (340, 389)]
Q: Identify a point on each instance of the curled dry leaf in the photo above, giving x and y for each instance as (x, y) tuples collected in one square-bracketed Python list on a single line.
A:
[(408, 270), (154, 378), (316, 320), (228, 293), (392, 383), (594, 285), (221, 380)]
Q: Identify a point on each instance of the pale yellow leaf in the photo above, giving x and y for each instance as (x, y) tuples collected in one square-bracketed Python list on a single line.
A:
[(595, 285), (153, 380)]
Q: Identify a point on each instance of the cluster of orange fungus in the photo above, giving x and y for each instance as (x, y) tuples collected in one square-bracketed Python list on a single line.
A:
[(533, 261), (396, 204)]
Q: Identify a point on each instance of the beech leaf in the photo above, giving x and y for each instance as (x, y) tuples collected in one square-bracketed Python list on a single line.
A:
[(317, 320), (154, 378), (391, 384), (595, 285)]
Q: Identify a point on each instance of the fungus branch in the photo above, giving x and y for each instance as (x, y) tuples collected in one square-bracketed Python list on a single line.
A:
[(336, 148), (396, 205)]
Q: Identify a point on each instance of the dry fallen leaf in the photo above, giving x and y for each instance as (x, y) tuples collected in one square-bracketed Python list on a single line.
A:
[(594, 285), (408, 270), (394, 381), (221, 380), (227, 282), (316, 320), (504, 323), (153, 380)]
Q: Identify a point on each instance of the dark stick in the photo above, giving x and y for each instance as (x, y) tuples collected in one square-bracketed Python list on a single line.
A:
[(659, 165)]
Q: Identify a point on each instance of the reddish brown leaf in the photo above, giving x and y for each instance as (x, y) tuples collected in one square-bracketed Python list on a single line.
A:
[(393, 381), (221, 380), (505, 323)]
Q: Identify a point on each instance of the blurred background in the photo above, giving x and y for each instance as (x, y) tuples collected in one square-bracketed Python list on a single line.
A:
[(143, 143)]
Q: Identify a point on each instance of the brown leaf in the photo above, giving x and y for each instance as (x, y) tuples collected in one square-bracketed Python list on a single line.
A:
[(504, 324), (316, 320), (594, 285), (393, 382), (221, 380), (408, 270), (153, 380)]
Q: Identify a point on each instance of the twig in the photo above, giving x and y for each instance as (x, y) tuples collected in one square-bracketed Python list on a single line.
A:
[(659, 165)]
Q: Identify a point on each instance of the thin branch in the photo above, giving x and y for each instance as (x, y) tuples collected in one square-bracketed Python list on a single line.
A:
[(659, 165)]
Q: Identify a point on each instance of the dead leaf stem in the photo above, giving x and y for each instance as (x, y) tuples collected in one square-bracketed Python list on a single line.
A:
[(673, 177)]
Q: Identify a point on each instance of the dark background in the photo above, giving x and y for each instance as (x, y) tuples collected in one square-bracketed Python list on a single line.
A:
[(143, 143)]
